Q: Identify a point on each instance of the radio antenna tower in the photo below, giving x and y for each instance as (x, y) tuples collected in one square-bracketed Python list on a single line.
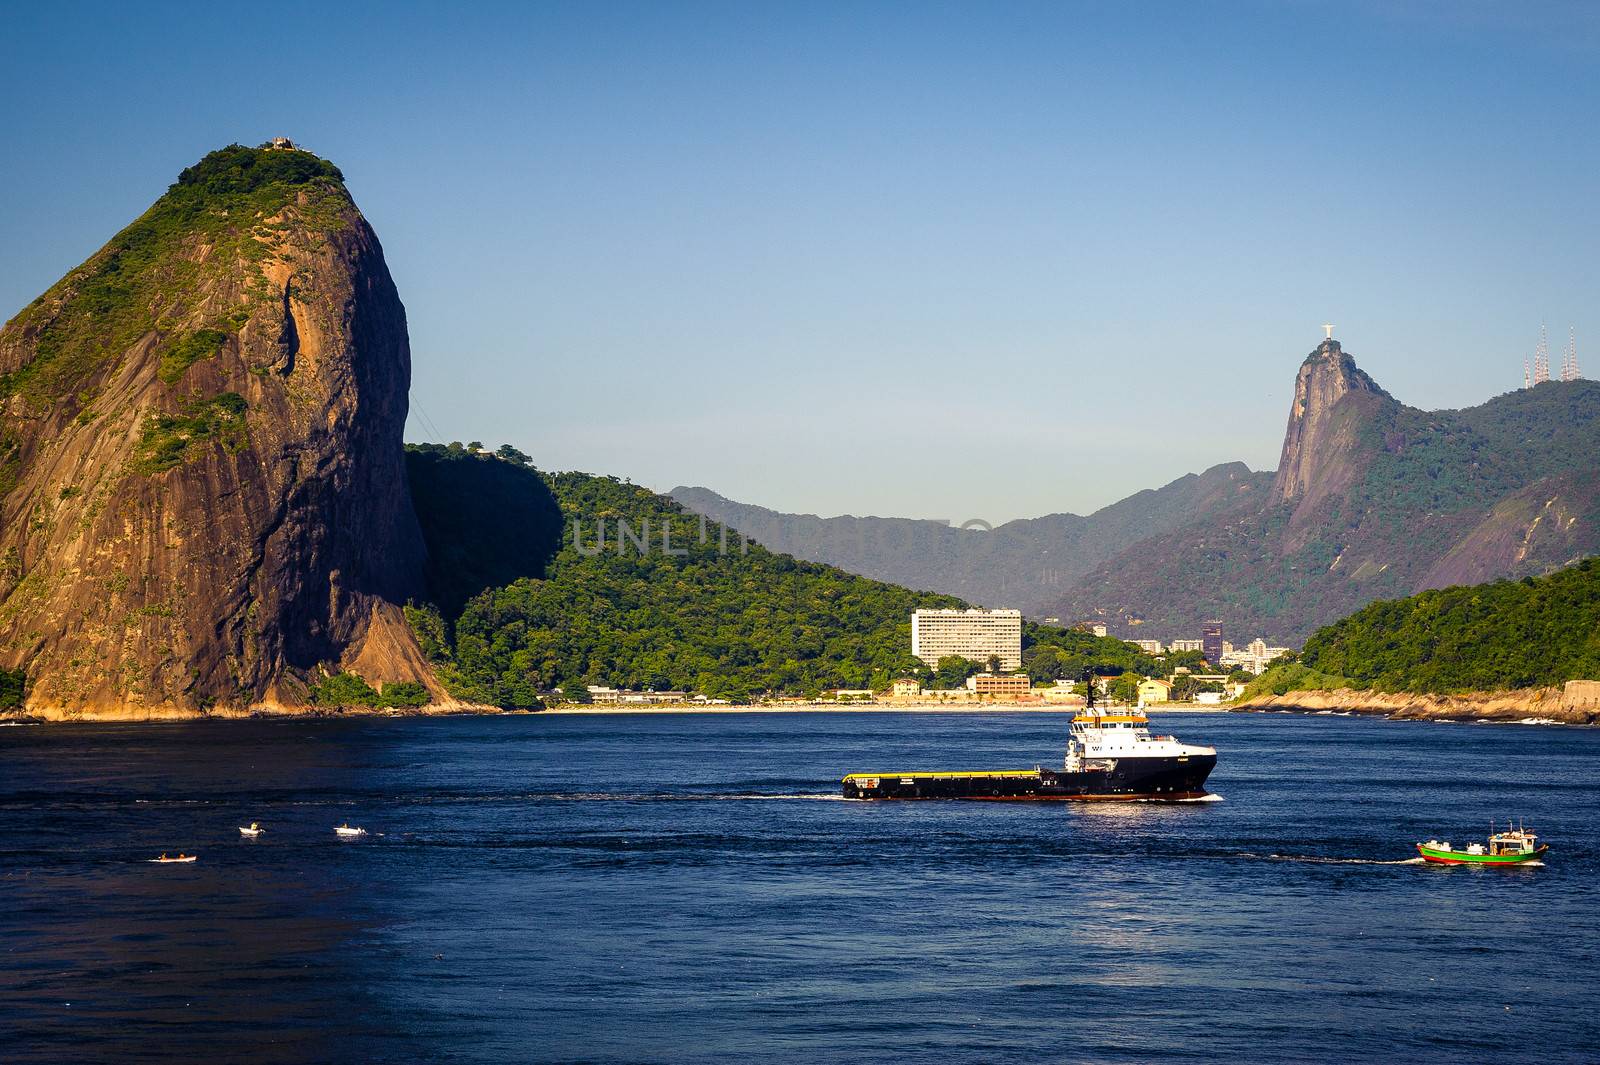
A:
[(1527, 377), (1541, 358), (1569, 361)]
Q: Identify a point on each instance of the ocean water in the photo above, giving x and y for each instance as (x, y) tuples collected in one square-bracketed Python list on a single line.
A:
[(689, 889)]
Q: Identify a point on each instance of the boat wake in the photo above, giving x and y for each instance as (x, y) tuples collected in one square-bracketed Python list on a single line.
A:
[(1316, 859), (621, 796), (1201, 798)]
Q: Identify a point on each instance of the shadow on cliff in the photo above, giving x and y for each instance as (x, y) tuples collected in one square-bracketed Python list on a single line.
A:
[(487, 521)]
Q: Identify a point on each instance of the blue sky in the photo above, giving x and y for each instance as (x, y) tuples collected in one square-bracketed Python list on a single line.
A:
[(969, 260)]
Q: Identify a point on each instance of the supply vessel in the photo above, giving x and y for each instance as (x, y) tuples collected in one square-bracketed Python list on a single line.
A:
[(1111, 755)]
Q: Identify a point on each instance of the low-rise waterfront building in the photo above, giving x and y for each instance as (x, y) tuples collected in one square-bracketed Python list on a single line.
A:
[(601, 694), (991, 684), (1154, 690)]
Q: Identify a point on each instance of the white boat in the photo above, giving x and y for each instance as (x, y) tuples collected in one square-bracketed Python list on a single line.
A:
[(164, 860), (348, 831), (253, 831)]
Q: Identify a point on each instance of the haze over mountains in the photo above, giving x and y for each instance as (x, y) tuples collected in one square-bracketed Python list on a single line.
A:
[(1028, 563), (1372, 499)]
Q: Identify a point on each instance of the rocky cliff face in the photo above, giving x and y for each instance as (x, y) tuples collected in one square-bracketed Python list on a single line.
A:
[(1321, 446), (203, 498), (1549, 705)]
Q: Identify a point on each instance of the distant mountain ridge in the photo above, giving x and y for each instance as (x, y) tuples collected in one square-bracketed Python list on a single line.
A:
[(1372, 500), (1025, 563)]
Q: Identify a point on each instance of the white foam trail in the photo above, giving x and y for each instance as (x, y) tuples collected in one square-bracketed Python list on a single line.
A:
[(690, 797), (1317, 860), (1204, 798)]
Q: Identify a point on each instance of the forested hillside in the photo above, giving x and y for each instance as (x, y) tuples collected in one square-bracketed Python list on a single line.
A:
[(1489, 637), (627, 589)]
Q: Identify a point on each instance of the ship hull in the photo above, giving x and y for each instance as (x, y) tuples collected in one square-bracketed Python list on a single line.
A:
[(1169, 779), (1453, 857)]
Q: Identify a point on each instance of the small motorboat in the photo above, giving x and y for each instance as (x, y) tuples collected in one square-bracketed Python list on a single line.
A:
[(165, 860), (252, 832), (348, 832), (1515, 846)]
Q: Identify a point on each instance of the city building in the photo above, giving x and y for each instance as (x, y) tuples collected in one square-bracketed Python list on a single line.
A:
[(1255, 657), (1096, 627), (1154, 690), (976, 635), (995, 684), (1211, 641), (1150, 647), (1186, 645), (906, 686)]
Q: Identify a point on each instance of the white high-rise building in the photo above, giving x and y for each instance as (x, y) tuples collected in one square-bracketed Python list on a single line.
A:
[(976, 635)]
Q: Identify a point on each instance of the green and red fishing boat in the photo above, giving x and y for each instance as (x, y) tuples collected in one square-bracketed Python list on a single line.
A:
[(1512, 847)]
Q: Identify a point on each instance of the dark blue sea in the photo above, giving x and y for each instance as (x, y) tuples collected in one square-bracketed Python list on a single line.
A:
[(688, 889)]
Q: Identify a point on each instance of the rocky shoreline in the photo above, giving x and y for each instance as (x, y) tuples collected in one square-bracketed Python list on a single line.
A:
[(1542, 705), (141, 714)]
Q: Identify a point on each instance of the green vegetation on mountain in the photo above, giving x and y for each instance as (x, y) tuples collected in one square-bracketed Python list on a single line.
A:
[(168, 438), (612, 584), (351, 690), (13, 686), (485, 523), (188, 349), (1490, 637), (142, 280)]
